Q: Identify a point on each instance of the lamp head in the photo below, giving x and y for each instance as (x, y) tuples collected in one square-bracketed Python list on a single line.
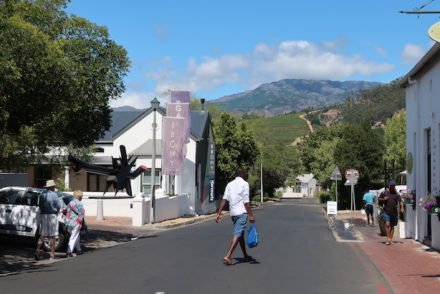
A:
[(155, 103)]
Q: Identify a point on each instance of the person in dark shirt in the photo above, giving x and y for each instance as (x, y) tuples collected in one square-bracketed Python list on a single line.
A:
[(391, 202)]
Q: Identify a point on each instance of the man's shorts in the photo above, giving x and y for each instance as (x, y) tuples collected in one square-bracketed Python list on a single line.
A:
[(49, 225), (390, 218), (240, 223), (369, 209)]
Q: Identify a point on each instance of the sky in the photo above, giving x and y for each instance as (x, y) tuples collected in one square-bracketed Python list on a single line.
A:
[(223, 47)]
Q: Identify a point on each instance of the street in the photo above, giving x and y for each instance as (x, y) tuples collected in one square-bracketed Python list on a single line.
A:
[(297, 254)]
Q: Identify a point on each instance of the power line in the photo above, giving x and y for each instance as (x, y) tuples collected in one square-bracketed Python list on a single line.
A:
[(418, 10)]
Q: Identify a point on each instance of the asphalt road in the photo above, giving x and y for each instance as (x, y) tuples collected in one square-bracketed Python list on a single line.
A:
[(297, 254)]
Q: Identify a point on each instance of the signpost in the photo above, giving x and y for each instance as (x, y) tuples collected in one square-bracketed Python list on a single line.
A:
[(352, 176), (336, 176), (332, 207)]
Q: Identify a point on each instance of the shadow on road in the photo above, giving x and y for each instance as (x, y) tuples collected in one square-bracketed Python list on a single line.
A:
[(17, 253)]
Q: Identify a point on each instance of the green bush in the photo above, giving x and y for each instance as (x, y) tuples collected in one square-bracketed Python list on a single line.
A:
[(325, 196)]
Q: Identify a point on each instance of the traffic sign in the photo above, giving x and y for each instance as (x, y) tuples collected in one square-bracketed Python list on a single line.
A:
[(336, 175)]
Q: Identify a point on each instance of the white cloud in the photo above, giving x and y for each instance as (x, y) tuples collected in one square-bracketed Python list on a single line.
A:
[(381, 51), (136, 99), (302, 59), (265, 63), (412, 53)]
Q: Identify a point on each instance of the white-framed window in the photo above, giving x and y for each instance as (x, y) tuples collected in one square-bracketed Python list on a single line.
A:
[(171, 185), (146, 180)]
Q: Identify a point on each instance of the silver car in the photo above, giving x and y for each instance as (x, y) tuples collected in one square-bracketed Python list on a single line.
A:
[(20, 214)]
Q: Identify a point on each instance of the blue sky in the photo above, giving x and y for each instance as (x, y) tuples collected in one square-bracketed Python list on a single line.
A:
[(217, 48)]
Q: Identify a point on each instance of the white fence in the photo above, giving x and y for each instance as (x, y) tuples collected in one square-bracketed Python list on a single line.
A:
[(137, 208)]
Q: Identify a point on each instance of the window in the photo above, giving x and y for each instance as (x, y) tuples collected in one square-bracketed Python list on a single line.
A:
[(10, 196), (42, 174), (30, 198), (171, 185), (146, 180)]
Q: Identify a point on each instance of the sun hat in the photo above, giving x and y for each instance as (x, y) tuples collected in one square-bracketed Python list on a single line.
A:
[(50, 183)]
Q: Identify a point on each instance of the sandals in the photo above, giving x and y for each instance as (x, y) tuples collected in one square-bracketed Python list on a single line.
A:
[(227, 261)]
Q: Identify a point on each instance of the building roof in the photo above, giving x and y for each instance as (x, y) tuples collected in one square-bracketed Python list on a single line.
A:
[(147, 147), (305, 178), (425, 61), (122, 120)]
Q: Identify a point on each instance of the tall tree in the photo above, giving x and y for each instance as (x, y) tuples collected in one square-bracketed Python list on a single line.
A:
[(360, 148), (235, 147), (58, 73), (395, 141)]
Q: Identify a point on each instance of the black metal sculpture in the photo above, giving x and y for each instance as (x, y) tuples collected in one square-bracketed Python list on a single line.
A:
[(119, 176)]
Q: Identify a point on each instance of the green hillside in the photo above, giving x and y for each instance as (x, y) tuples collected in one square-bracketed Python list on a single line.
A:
[(283, 129)]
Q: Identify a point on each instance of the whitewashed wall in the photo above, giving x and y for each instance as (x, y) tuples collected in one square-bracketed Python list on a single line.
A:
[(423, 112), (166, 207)]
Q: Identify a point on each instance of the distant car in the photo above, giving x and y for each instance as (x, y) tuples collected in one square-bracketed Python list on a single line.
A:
[(20, 214)]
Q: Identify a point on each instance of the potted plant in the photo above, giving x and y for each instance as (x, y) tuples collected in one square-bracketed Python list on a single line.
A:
[(409, 197), (432, 206), (381, 222)]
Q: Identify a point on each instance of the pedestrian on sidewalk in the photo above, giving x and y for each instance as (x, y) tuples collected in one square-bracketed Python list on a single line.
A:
[(50, 205), (75, 214), (369, 199), (391, 201), (237, 195)]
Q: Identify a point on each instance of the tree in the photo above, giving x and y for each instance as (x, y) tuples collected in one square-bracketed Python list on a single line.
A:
[(235, 148), (58, 73), (395, 140), (360, 148), (317, 153)]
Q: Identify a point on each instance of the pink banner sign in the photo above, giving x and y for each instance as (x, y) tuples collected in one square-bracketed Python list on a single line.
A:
[(181, 110), (180, 96), (174, 136)]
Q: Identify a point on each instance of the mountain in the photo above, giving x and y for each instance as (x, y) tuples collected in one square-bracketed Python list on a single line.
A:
[(126, 108), (289, 95)]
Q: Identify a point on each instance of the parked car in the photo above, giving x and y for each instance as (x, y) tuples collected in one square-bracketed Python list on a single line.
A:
[(20, 214)]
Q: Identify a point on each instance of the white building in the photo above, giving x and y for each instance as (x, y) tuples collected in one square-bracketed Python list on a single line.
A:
[(134, 130), (422, 86), (307, 185)]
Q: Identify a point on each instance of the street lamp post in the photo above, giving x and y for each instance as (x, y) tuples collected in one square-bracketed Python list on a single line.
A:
[(154, 105)]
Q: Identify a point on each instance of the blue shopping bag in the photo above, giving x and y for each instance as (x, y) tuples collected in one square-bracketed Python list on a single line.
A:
[(252, 236)]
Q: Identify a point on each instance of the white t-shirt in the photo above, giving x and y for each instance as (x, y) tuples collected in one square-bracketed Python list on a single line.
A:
[(237, 194)]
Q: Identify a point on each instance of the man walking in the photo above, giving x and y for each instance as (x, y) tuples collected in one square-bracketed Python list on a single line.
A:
[(369, 199), (237, 195), (391, 200), (50, 205)]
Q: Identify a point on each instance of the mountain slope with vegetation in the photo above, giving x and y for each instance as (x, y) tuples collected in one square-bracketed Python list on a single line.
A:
[(371, 106), (291, 95), (282, 129)]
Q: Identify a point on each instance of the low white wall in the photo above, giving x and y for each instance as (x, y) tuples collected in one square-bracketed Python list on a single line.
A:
[(112, 206), (410, 221), (435, 232), (138, 208), (171, 207)]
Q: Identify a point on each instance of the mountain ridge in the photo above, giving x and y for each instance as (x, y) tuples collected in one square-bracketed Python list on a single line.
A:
[(291, 95)]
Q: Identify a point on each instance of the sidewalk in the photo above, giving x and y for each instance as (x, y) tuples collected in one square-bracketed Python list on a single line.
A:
[(124, 224), (407, 265)]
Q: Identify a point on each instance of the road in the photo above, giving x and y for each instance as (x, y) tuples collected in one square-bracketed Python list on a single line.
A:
[(297, 254)]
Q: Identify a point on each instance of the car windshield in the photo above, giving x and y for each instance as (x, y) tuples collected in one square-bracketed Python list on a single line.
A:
[(10, 196)]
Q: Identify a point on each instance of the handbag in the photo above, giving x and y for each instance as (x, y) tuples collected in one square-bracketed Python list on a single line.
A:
[(252, 236)]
